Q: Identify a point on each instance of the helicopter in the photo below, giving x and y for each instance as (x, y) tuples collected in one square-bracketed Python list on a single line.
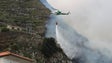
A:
[(61, 13)]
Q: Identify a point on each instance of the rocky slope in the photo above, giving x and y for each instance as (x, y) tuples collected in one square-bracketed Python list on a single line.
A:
[(29, 17)]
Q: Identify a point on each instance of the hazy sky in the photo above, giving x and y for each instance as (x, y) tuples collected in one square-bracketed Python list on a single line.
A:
[(91, 18)]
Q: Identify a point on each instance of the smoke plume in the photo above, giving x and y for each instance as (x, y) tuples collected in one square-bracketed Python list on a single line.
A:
[(85, 35)]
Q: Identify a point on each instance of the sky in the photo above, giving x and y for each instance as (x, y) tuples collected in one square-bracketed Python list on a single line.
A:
[(90, 18)]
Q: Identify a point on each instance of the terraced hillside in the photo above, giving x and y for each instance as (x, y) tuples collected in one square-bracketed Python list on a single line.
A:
[(22, 30)]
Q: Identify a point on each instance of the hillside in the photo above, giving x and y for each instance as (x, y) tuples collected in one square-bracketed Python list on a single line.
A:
[(22, 30)]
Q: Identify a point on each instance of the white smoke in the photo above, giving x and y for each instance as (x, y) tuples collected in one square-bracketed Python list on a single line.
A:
[(90, 18), (70, 41)]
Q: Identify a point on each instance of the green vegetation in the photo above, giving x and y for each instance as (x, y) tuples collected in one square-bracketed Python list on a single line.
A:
[(4, 29), (46, 52), (28, 14), (22, 12), (49, 47)]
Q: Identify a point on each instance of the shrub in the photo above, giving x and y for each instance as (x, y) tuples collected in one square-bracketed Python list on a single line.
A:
[(49, 47), (4, 29)]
